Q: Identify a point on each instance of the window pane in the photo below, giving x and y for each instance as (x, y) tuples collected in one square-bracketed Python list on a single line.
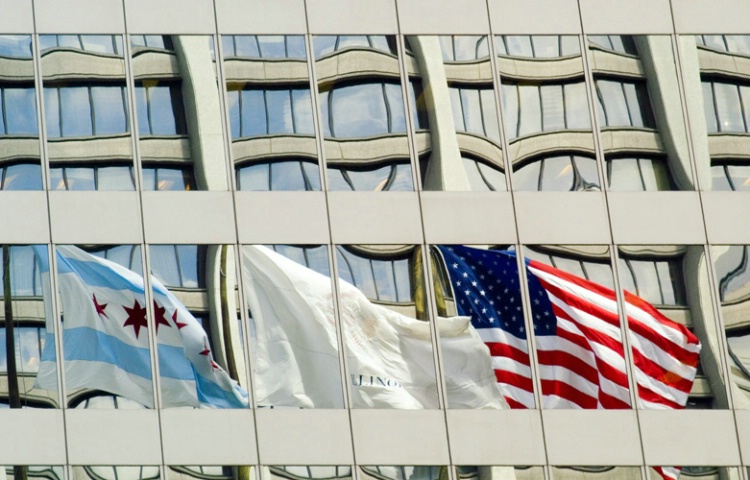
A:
[(613, 102), (78, 178), (20, 111), (141, 109), (109, 110), (253, 178), (164, 265), (552, 107), (557, 174), (728, 108), (76, 111), (527, 176), (624, 175), (740, 175), (287, 176), (359, 111), (302, 106), (188, 256), (530, 112), (163, 120), (253, 113), (546, 46), (272, 46), (115, 178), (576, 106), (16, 46), (22, 176), (279, 111)]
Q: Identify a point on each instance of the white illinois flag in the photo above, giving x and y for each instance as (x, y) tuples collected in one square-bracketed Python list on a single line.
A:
[(389, 355), (105, 338)]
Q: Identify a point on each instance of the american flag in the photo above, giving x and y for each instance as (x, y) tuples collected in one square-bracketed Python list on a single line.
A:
[(577, 332)]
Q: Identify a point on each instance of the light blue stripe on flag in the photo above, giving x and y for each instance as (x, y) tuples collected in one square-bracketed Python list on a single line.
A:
[(214, 395), (88, 344)]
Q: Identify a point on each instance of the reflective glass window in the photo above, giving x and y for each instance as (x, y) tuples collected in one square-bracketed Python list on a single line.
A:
[(557, 173), (109, 177), (15, 46), (378, 177), (730, 176), (328, 44), (726, 43), (289, 175), (267, 112), (463, 48), (658, 281), (152, 41), (617, 43), (21, 176), (541, 108), (85, 110), (103, 44), (537, 46), (17, 111), (383, 279), (168, 178), (474, 111), (483, 177), (637, 174), (160, 109), (624, 104), (363, 110), (726, 106)]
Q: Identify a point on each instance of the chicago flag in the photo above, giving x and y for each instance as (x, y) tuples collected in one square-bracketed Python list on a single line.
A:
[(105, 338)]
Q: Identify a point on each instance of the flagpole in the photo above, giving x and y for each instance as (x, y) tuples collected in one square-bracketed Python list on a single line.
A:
[(225, 318), (14, 397)]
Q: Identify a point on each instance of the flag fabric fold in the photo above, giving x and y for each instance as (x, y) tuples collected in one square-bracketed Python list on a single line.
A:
[(389, 355), (105, 338), (577, 334)]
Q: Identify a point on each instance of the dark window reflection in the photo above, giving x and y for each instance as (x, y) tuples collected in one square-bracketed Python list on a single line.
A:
[(152, 41), (730, 176), (112, 177), (375, 178), (84, 110), (103, 44), (726, 106), (537, 46), (624, 104), (363, 110), (328, 44), (314, 257), (380, 277), (286, 175), (160, 110), (168, 178), (638, 174), (558, 173)]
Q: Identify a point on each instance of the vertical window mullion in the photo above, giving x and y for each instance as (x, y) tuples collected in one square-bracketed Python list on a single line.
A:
[(725, 169), (627, 103), (388, 115), (268, 115), (291, 109), (604, 105), (179, 264), (541, 103), (92, 110), (4, 108)]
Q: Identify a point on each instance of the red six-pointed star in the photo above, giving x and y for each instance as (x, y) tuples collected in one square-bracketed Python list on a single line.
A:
[(159, 315), (100, 307), (179, 324), (206, 352), (136, 317)]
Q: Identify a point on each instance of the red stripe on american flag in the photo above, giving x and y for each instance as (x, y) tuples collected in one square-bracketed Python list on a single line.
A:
[(507, 351)]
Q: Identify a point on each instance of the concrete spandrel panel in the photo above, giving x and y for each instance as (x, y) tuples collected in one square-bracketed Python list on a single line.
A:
[(170, 16), (452, 18), (592, 437), (626, 16), (711, 16), (238, 17), (511, 17), (29, 224), (113, 437), (375, 217), (95, 217), (304, 437), (641, 218), (344, 16), (38, 437), (559, 218), (282, 217), (727, 216), (78, 16), (208, 437), (689, 437), (188, 217), (22, 20), (400, 437), (743, 427), (496, 437), (468, 218)]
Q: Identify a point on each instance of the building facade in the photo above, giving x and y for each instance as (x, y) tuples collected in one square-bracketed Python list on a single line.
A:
[(603, 138)]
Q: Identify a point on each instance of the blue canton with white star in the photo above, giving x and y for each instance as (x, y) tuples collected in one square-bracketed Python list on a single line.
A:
[(487, 289)]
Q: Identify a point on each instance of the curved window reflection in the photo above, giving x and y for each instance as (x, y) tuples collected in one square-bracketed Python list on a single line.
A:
[(558, 173), (624, 104), (21, 176), (638, 174), (285, 175), (726, 106), (168, 178), (256, 112), (332, 43), (483, 177), (160, 109), (73, 111), (15, 46), (105, 44), (658, 281), (18, 110), (375, 178), (726, 43), (380, 277), (616, 43), (474, 111), (115, 177), (544, 108), (163, 42), (730, 176), (464, 48), (264, 46), (363, 110), (537, 46)]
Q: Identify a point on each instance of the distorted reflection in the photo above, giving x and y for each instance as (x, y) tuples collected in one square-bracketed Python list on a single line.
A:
[(306, 472), (270, 112), (674, 280), (698, 472), (733, 277), (460, 149), (715, 72), (170, 73), (402, 472), (643, 131), (293, 336), (197, 308), (580, 353), (595, 473), (86, 112), (363, 116), (546, 113), (27, 329), (107, 472), (212, 472), (18, 472), (19, 133)]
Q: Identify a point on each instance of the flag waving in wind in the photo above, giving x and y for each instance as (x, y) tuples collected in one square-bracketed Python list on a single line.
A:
[(577, 333), (105, 338)]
